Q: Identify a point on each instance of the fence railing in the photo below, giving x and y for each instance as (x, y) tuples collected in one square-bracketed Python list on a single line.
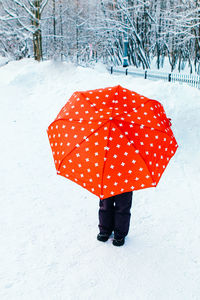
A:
[(192, 80)]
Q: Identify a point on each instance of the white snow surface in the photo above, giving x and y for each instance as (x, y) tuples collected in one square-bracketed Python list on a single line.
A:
[(48, 224)]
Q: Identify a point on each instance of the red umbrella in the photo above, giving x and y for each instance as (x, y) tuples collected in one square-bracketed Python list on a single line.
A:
[(111, 141)]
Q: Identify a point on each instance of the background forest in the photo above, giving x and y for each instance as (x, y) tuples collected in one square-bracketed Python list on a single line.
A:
[(48, 224), (86, 31)]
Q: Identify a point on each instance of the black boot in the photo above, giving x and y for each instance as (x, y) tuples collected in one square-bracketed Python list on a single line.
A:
[(118, 242), (103, 237)]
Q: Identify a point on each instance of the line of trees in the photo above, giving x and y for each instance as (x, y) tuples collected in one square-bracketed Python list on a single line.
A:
[(92, 30)]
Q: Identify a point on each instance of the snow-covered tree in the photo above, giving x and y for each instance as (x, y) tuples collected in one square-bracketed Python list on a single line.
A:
[(25, 16), (88, 30)]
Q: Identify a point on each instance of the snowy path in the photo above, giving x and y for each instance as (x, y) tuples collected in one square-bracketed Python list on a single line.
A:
[(48, 225)]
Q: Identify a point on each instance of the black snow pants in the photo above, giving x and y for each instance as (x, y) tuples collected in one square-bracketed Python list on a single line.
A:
[(114, 214)]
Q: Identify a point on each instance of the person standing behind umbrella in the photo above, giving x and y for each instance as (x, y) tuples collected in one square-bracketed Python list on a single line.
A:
[(87, 133), (114, 215)]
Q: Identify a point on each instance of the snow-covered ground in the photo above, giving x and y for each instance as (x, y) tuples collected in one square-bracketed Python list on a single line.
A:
[(48, 225)]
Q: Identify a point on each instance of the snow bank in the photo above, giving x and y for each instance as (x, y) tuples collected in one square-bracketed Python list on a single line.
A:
[(48, 225), (3, 61)]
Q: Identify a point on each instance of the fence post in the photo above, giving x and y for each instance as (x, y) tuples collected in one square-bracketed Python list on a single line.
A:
[(145, 75), (111, 70), (170, 77)]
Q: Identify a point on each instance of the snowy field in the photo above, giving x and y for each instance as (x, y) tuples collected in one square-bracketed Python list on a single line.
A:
[(48, 225)]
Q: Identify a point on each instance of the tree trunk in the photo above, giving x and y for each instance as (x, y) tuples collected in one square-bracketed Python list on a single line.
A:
[(37, 35), (54, 21), (61, 32), (77, 32), (197, 36)]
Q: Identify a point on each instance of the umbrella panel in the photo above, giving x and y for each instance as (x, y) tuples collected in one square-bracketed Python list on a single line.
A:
[(112, 140)]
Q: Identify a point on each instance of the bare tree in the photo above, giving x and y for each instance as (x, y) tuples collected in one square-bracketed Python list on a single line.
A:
[(84, 30), (26, 15)]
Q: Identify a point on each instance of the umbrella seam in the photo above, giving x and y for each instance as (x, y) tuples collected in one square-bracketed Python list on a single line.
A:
[(80, 144), (147, 127), (139, 106), (91, 105), (62, 119), (75, 120), (150, 128), (153, 180), (135, 108), (106, 159), (80, 180), (117, 89)]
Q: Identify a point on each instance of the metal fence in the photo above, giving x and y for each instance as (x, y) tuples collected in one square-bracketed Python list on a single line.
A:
[(192, 80)]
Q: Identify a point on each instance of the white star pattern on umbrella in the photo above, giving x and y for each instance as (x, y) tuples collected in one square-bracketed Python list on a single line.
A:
[(121, 138)]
